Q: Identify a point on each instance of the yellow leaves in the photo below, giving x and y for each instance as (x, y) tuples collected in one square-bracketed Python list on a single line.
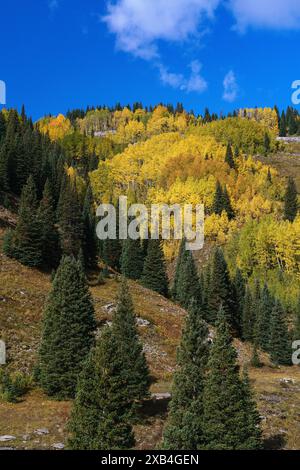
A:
[(255, 206), (266, 116), (130, 133), (218, 227), (57, 128)]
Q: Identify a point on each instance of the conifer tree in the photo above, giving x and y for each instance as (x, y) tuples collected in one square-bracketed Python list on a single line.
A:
[(187, 282), (221, 292), (89, 230), (112, 249), (68, 331), (267, 144), (135, 371), (132, 259), (227, 206), (280, 346), (154, 275), (230, 415), (100, 418), (239, 287), (247, 320), (263, 321), (229, 157), (49, 235), (184, 428), (297, 321), (27, 238), (290, 201), (218, 203), (179, 261), (282, 127)]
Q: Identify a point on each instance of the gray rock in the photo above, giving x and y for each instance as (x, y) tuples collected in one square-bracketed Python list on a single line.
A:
[(6, 448), (142, 322), (161, 396), (41, 431), (7, 438), (58, 446)]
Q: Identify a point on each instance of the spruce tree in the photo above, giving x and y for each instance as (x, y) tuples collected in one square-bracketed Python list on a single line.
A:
[(89, 245), (221, 291), (68, 331), (227, 206), (187, 282), (132, 259), (154, 275), (230, 415), (218, 202), (184, 427), (263, 321), (27, 239), (280, 346), (282, 127), (267, 144), (49, 235), (290, 201), (179, 261), (296, 332), (247, 317), (135, 371), (229, 157), (239, 287), (100, 418)]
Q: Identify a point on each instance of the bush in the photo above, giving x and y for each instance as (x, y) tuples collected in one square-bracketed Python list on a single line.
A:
[(13, 386)]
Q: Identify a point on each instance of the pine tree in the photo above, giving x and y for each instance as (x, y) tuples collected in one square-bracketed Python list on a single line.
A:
[(132, 259), (70, 220), (290, 201), (227, 207), (229, 157), (154, 275), (282, 127), (27, 238), (68, 331), (297, 321), (280, 347), (267, 144), (100, 418), (230, 415), (218, 203), (179, 261), (264, 319), (184, 428), (247, 320), (89, 247), (221, 292), (135, 371), (187, 282), (49, 235), (239, 287)]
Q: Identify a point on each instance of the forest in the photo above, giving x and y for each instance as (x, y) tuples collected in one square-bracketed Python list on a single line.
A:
[(240, 293)]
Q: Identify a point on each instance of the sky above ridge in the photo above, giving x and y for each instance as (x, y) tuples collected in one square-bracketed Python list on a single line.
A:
[(224, 54)]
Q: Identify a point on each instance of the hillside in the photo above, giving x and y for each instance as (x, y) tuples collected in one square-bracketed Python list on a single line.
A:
[(39, 423)]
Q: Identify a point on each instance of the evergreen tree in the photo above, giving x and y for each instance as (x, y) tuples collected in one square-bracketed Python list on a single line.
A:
[(239, 287), (187, 282), (264, 319), (154, 275), (267, 143), (221, 292), (227, 207), (68, 330), (179, 261), (135, 371), (297, 321), (184, 428), (280, 347), (282, 127), (112, 249), (247, 324), (70, 220), (90, 247), (27, 238), (132, 259), (290, 201), (230, 415), (218, 203), (100, 418), (49, 235), (229, 157)]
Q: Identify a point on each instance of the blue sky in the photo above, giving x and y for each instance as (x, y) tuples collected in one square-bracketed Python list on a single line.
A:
[(224, 54)]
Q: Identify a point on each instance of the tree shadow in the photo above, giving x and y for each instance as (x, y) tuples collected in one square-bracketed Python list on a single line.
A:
[(275, 442)]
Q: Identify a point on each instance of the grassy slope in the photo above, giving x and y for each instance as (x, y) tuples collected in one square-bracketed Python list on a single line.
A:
[(22, 294)]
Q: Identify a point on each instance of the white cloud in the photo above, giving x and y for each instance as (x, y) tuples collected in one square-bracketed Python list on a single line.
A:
[(272, 14), (194, 83), (140, 24), (231, 88)]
